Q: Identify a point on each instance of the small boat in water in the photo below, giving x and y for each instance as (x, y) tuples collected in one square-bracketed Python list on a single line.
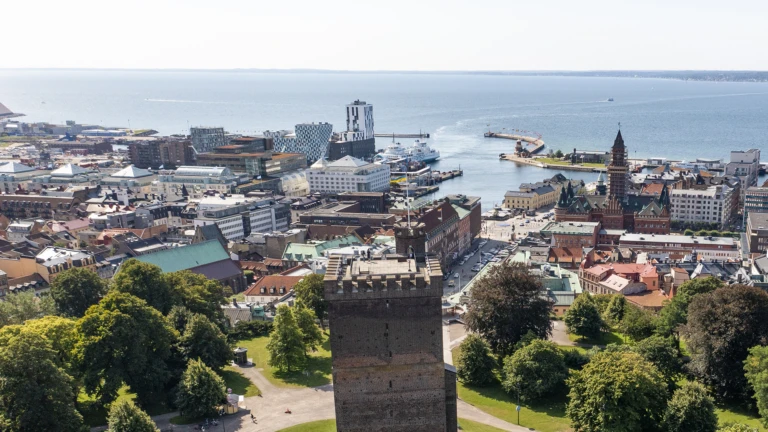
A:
[(610, 99)]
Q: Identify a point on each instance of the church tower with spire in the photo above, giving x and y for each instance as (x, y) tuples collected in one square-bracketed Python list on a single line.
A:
[(618, 170)]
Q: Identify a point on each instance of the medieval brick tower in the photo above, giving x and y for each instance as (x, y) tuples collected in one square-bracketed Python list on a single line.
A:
[(618, 170), (386, 341)]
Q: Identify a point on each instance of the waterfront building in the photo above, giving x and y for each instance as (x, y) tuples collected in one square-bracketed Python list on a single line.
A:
[(533, 196), (347, 174), (387, 348), (715, 204), (205, 139), (310, 139), (745, 165), (14, 175), (358, 140), (612, 206), (83, 146)]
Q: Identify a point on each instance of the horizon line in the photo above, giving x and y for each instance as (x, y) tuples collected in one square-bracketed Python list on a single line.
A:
[(410, 71)]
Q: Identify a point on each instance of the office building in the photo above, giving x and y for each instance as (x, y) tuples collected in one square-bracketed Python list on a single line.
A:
[(358, 140), (161, 153), (194, 181), (715, 204), (756, 200), (387, 345), (745, 165), (347, 174), (254, 164), (757, 232), (205, 139), (704, 247), (310, 139)]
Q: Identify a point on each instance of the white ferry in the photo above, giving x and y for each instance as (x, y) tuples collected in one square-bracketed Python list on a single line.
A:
[(392, 153), (420, 151)]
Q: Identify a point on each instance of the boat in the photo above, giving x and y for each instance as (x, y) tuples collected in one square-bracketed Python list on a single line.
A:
[(392, 153), (610, 99), (420, 151)]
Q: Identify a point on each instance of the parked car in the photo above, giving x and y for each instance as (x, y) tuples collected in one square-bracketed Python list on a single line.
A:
[(455, 275)]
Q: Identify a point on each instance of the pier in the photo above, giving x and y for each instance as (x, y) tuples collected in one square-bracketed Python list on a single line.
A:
[(537, 142), (396, 135), (534, 162)]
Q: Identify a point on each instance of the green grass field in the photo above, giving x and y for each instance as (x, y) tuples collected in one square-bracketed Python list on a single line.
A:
[(553, 161), (605, 338), (239, 383), (317, 372), (94, 415), (330, 426)]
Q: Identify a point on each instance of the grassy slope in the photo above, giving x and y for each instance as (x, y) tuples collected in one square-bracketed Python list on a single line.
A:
[(318, 370)]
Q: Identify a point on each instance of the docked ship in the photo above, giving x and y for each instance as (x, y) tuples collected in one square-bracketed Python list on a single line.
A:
[(393, 152), (420, 151)]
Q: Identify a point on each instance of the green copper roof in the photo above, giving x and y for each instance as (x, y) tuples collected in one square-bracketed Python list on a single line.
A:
[(186, 257)]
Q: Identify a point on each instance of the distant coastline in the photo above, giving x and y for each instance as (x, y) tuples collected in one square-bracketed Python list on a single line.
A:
[(682, 75)]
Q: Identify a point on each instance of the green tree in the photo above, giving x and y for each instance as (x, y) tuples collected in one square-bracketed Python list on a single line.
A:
[(663, 353), (474, 364), (201, 390), (198, 294), (756, 367), (637, 323), (35, 394), (690, 409), (23, 306), (60, 332), (75, 290), (506, 304), (124, 340), (559, 154), (310, 332), (204, 341), (145, 281), (179, 316), (722, 326), (125, 416), (309, 292), (618, 392), (583, 317), (602, 300), (534, 371), (614, 312), (286, 343), (675, 311)]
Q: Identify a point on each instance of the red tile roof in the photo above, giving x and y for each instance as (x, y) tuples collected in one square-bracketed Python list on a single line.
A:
[(273, 281)]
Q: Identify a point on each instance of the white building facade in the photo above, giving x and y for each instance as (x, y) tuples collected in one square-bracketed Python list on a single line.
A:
[(745, 165), (196, 180), (348, 174), (717, 204), (359, 121)]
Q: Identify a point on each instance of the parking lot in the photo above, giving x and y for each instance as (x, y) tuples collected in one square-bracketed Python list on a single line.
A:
[(461, 274)]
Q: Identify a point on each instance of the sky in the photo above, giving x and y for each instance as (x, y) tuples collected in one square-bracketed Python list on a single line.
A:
[(386, 35)]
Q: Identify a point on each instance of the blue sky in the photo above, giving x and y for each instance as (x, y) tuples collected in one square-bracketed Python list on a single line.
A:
[(386, 35)]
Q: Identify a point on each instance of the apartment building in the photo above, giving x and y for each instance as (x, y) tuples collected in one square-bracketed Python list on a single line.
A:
[(205, 139), (715, 204), (348, 174), (745, 165)]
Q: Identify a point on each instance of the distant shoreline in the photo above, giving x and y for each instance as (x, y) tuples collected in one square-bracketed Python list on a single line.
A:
[(686, 75)]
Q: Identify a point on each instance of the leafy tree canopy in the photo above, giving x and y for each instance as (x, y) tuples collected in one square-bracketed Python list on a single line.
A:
[(309, 292), (201, 390), (204, 341), (310, 332), (124, 340), (125, 416), (637, 323), (474, 364), (756, 367), (198, 294), (583, 317), (618, 392), (722, 326), (75, 290), (675, 311), (691, 409), (506, 304), (20, 307), (286, 343), (145, 281), (534, 370)]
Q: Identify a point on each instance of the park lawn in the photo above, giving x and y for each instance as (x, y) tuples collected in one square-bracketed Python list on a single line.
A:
[(545, 416), (93, 415), (239, 383), (330, 426), (605, 338), (317, 372), (553, 161), (727, 414)]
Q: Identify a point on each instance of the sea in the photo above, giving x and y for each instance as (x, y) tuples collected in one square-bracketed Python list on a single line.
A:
[(679, 120)]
